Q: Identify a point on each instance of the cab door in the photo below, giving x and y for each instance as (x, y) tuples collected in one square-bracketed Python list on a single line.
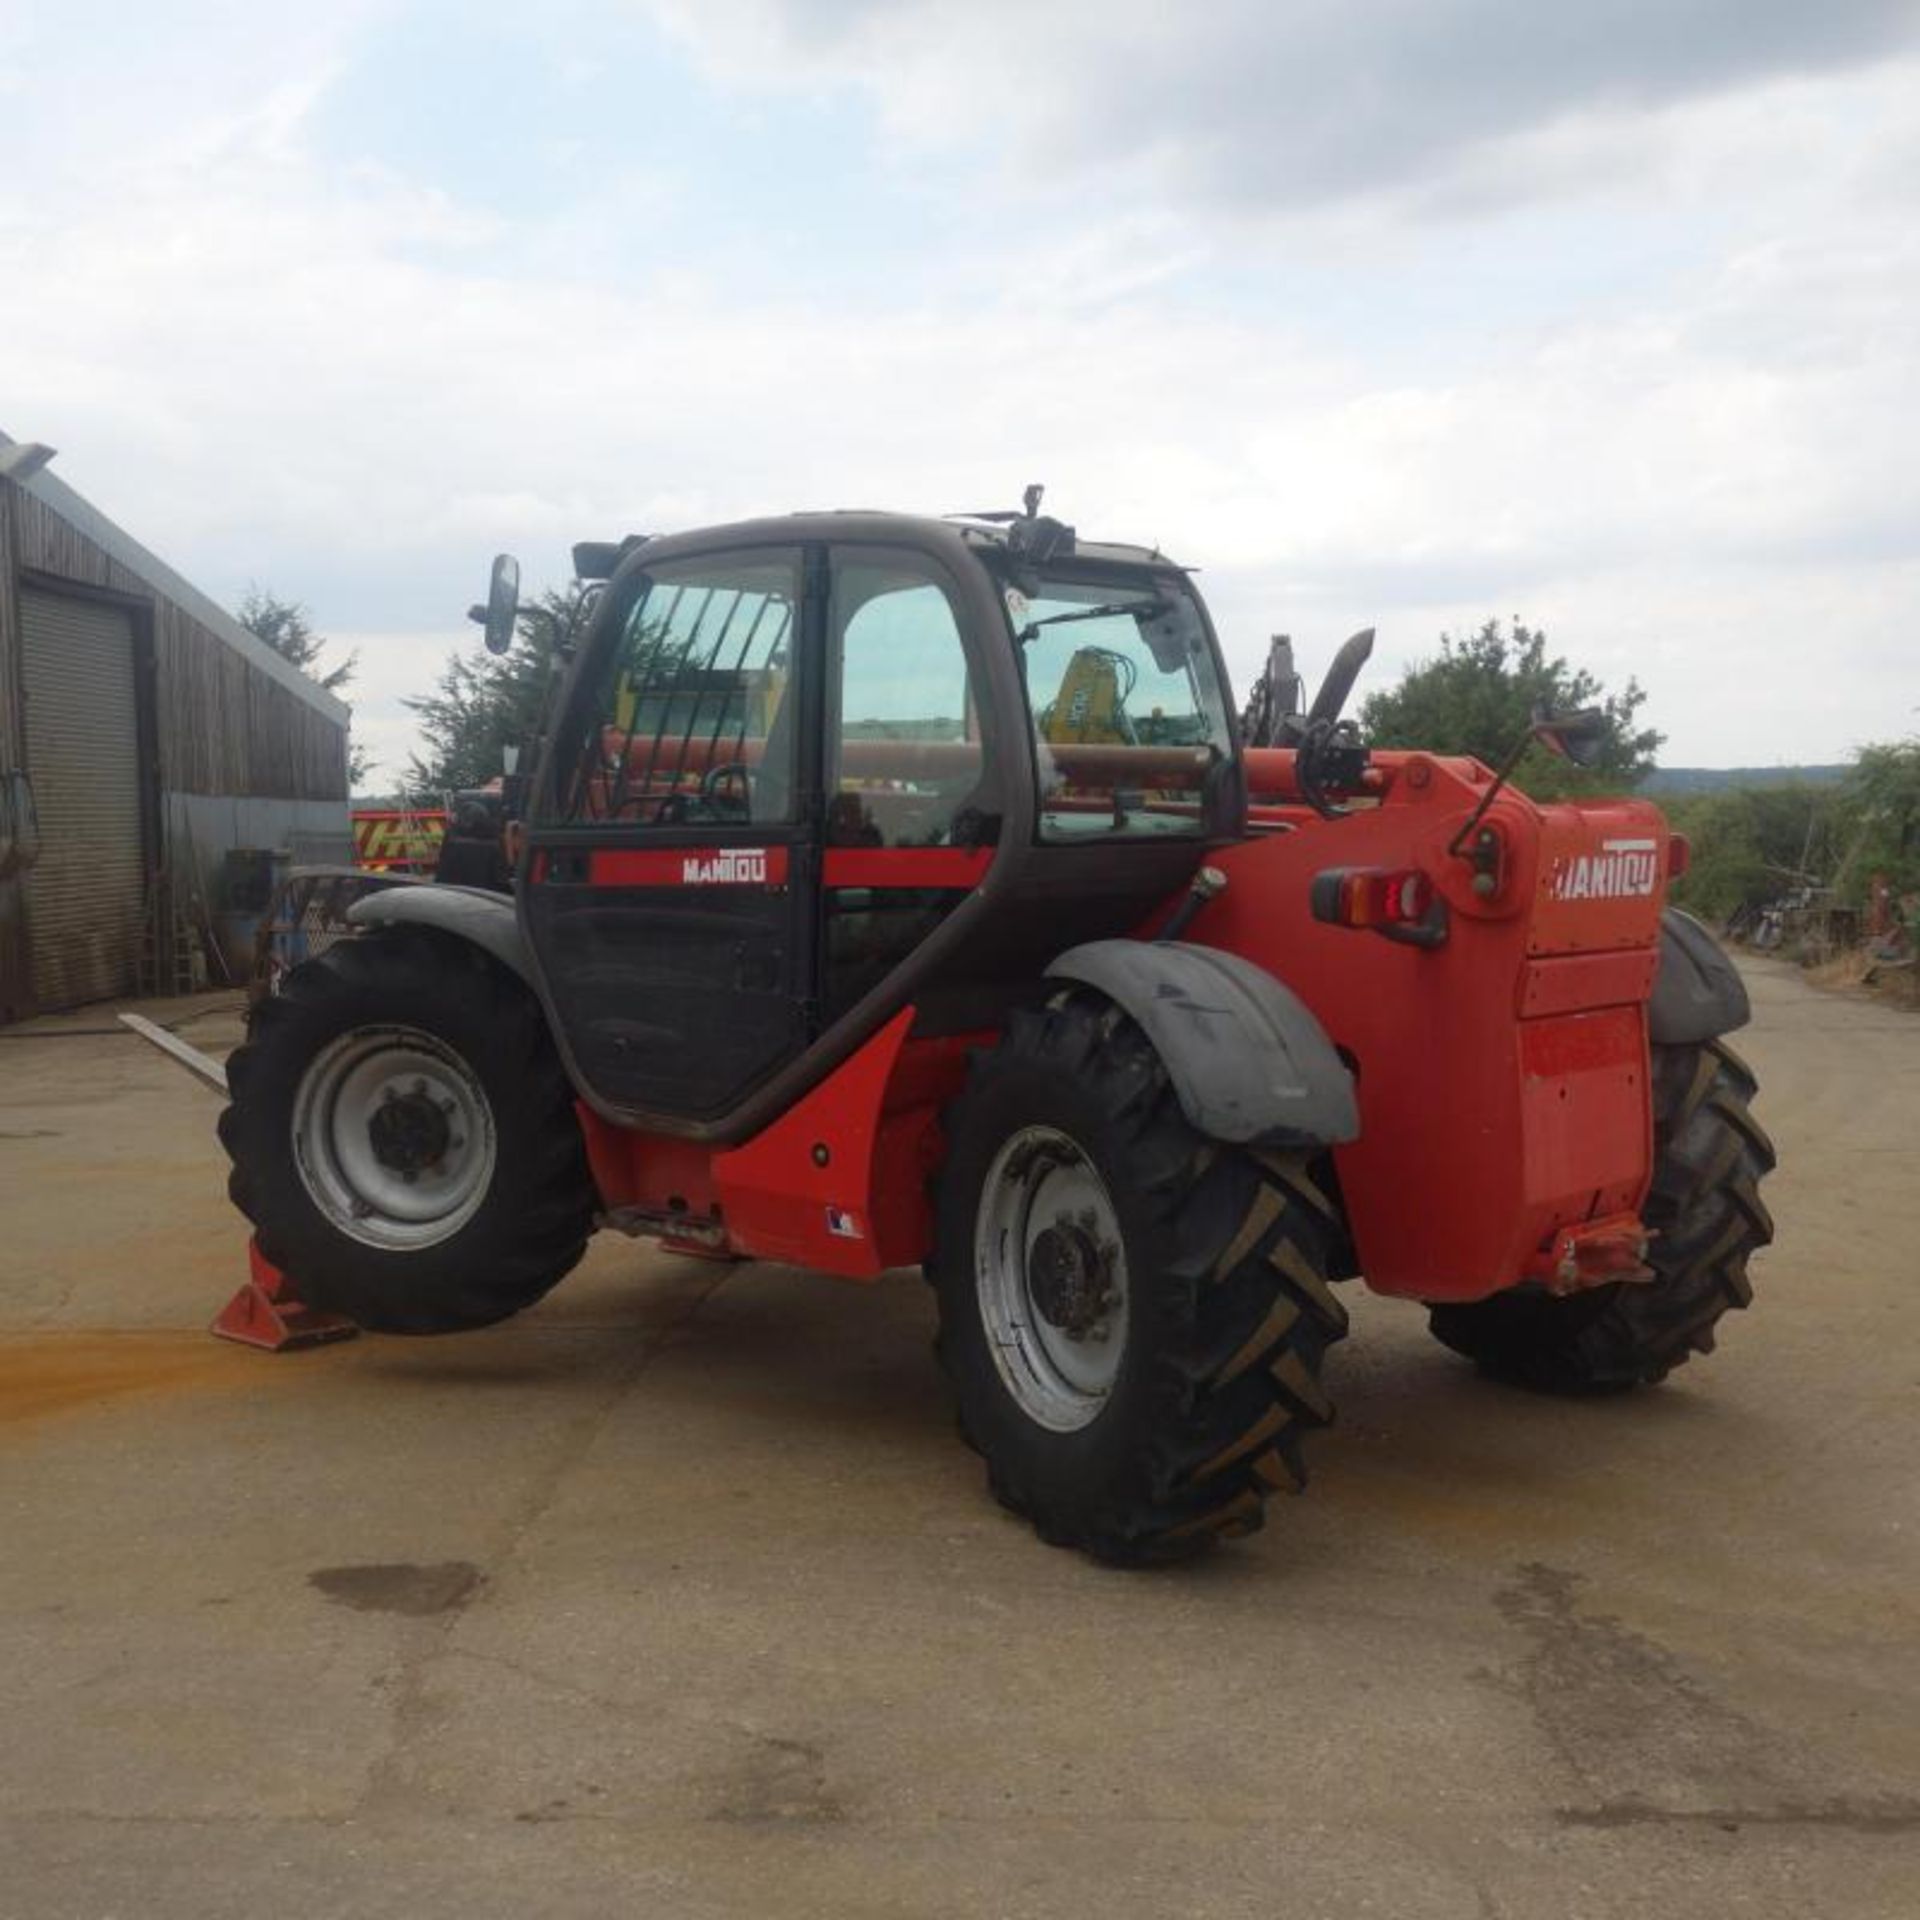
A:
[(910, 829), (669, 889)]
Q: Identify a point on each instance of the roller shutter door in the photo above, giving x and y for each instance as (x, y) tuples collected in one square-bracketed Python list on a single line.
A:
[(83, 753)]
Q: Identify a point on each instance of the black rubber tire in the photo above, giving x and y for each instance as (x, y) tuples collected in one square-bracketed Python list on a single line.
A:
[(1707, 1218), (1230, 1313), (533, 1223)]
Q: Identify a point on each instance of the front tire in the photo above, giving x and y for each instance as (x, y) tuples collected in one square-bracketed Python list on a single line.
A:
[(403, 1137), (1133, 1317), (1706, 1217)]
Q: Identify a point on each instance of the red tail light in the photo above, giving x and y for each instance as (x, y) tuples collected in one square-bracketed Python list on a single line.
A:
[(1372, 897), (1679, 855)]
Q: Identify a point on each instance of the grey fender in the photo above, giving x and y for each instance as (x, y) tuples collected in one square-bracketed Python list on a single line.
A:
[(1248, 1061), (485, 920), (1697, 994)]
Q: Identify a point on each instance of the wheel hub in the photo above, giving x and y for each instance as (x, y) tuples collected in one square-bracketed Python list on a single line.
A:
[(394, 1137), (1070, 1275), (408, 1131), (1051, 1278)]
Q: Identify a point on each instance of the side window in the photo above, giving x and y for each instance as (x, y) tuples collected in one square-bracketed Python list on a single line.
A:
[(1129, 717), (905, 754), (691, 718)]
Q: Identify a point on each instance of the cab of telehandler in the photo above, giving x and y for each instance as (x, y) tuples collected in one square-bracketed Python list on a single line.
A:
[(805, 772)]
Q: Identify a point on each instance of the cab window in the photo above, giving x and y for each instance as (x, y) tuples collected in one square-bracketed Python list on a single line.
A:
[(691, 720), (1128, 714), (904, 766), (904, 757)]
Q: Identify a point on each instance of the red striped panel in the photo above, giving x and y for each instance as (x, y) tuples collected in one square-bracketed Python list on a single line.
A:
[(957, 867), (687, 867), (907, 866)]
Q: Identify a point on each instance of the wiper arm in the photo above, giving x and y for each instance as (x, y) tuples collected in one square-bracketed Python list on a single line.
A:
[(1140, 609)]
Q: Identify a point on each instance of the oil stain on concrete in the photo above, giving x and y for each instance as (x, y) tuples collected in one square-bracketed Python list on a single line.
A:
[(1648, 1740), (779, 1783), (401, 1586)]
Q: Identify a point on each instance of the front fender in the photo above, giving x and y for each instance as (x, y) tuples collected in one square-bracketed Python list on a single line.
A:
[(1697, 994), (483, 919), (1247, 1059)]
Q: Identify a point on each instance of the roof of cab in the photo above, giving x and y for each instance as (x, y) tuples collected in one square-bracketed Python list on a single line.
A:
[(957, 533)]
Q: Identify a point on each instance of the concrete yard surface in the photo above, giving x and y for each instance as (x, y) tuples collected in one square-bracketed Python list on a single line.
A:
[(679, 1595)]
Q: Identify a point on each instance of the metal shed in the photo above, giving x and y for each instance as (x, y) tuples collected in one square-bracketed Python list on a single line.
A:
[(143, 733)]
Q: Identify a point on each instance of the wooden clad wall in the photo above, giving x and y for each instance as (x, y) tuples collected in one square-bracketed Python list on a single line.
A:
[(220, 725), (14, 963), (223, 726), (10, 720)]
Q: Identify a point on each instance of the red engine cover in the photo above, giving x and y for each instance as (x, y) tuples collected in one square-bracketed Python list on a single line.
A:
[(1502, 1076)]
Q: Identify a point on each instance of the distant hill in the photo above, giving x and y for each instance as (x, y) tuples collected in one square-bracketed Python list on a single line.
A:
[(1711, 779)]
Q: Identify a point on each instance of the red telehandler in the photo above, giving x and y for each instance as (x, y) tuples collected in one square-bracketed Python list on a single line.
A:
[(893, 891)]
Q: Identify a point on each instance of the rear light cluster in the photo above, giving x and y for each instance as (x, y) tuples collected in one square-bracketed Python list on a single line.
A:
[(1373, 897)]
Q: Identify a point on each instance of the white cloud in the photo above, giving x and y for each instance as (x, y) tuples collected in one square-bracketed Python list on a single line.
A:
[(1286, 103), (1673, 428)]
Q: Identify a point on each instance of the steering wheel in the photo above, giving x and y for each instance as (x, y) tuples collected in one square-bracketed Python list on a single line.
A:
[(727, 790)]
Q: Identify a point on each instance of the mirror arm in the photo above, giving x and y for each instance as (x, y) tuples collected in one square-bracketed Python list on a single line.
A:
[(1466, 833)]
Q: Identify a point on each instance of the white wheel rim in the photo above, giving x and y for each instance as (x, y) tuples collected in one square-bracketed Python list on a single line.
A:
[(394, 1137), (1051, 1278)]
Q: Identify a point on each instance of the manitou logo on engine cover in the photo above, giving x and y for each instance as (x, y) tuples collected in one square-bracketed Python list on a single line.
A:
[(741, 867), (1621, 870)]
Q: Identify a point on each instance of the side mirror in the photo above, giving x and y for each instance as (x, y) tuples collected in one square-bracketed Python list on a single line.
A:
[(502, 610), (1580, 737)]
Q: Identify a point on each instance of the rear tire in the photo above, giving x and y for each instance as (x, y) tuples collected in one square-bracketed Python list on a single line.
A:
[(403, 1137), (1707, 1218), (1069, 1155)]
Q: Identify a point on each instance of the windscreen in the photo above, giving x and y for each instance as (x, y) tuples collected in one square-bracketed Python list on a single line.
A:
[(1127, 710), (686, 721)]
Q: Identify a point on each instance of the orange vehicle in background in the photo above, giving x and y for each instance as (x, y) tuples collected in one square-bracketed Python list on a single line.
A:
[(398, 839)]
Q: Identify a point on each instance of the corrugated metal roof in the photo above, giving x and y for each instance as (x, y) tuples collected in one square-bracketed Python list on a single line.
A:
[(129, 553)]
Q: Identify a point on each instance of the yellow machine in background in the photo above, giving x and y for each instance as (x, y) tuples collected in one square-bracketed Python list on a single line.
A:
[(1091, 705)]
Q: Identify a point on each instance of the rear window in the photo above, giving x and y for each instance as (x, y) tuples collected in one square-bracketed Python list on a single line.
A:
[(1127, 712)]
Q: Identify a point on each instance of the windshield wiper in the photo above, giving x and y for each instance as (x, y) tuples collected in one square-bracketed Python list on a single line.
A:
[(1140, 609)]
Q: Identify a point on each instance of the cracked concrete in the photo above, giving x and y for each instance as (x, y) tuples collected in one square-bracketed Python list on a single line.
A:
[(679, 1597)]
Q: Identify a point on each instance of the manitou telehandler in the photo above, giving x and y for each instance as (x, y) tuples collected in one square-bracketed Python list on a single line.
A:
[(893, 891)]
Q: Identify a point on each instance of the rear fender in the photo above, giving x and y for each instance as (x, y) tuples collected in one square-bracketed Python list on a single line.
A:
[(482, 919), (1697, 995), (1249, 1063)]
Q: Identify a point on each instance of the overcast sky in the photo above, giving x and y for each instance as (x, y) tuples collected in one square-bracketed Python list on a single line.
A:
[(1391, 312)]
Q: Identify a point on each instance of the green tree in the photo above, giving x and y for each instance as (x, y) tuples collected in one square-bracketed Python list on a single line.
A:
[(1478, 695), (1751, 844), (287, 627), (482, 703), (1881, 797)]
